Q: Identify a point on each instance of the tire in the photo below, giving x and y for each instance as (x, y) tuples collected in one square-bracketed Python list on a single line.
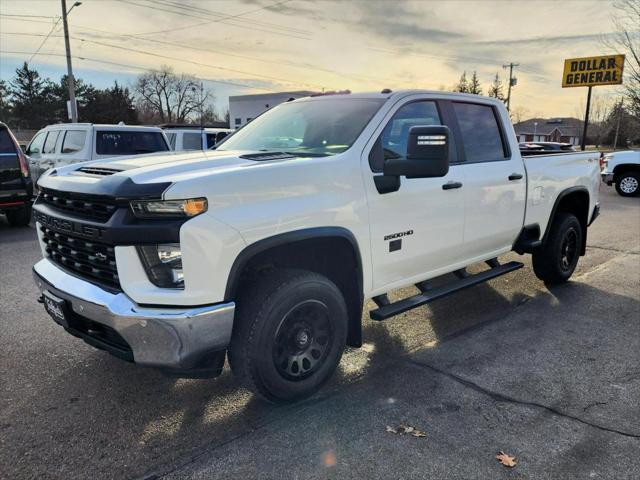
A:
[(555, 262), (290, 332), (628, 184), (19, 217)]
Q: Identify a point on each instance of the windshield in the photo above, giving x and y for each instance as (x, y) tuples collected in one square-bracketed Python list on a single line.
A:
[(315, 128)]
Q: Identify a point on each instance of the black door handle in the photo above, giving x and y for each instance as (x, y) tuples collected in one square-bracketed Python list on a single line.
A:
[(515, 176), (451, 185)]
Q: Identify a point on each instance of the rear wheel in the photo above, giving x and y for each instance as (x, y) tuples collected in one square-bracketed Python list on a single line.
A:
[(19, 217), (628, 184), (290, 334), (557, 259)]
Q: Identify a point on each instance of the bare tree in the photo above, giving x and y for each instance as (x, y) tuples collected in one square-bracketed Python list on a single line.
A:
[(519, 114), (174, 98), (627, 40)]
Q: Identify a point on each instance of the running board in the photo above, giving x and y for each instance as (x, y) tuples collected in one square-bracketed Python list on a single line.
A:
[(430, 294)]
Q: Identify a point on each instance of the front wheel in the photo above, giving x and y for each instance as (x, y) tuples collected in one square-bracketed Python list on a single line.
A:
[(557, 259), (290, 333), (628, 184)]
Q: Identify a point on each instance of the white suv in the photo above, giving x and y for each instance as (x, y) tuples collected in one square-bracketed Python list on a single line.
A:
[(67, 143)]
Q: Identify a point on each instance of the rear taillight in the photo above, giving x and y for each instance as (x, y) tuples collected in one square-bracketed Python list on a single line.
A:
[(22, 160), (601, 160), (24, 167)]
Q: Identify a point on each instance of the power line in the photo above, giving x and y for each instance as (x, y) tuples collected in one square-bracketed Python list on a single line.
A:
[(137, 68), (236, 18), (185, 14), (44, 40), (166, 57), (244, 57)]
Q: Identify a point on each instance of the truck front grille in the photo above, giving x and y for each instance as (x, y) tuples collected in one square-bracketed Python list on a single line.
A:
[(87, 259), (82, 205)]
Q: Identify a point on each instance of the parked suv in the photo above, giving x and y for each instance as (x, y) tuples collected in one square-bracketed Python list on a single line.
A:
[(16, 187), (185, 137), (67, 143)]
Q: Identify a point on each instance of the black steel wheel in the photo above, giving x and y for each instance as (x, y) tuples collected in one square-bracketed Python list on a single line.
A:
[(289, 334), (569, 250), (302, 340), (558, 257)]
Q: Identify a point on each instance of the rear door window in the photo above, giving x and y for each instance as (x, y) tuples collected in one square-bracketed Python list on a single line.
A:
[(192, 141), (74, 141), (129, 143), (35, 147), (50, 142), (6, 143), (481, 135)]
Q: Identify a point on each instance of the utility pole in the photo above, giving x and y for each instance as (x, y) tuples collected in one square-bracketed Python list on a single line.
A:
[(512, 82), (70, 79), (620, 113)]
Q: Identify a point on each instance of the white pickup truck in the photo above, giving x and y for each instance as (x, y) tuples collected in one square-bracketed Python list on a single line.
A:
[(266, 248), (623, 169)]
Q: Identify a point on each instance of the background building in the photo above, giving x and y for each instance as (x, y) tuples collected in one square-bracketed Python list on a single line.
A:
[(565, 130), (243, 108)]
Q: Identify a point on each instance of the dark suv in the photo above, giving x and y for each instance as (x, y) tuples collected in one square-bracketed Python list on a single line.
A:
[(16, 187)]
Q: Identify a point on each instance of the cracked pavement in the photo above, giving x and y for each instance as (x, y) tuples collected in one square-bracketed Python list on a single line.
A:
[(550, 376)]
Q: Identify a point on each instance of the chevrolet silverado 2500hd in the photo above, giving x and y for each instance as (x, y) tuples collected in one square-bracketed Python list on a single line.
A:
[(266, 248)]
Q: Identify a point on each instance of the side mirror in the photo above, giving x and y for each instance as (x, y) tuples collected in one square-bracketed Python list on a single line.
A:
[(427, 154)]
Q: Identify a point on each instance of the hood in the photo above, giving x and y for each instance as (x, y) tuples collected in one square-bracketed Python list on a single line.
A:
[(106, 176)]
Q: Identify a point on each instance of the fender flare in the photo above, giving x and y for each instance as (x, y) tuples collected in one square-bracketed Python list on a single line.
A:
[(293, 236), (559, 198)]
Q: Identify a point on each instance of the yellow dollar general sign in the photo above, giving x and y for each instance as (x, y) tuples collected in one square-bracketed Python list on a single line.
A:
[(592, 71)]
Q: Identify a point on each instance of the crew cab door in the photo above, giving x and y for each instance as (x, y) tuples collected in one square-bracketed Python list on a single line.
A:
[(495, 180), (416, 230)]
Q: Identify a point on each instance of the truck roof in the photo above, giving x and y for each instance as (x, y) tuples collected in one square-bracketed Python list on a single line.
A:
[(101, 126), (389, 94)]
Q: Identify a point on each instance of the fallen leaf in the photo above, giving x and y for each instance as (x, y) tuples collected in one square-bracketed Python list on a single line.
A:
[(506, 460), (403, 429)]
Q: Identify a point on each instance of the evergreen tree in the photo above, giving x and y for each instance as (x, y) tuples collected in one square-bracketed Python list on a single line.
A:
[(474, 85), (463, 84), (30, 97), (5, 105), (495, 89), (111, 105)]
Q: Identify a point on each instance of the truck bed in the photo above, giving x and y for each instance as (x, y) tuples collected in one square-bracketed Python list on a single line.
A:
[(548, 175)]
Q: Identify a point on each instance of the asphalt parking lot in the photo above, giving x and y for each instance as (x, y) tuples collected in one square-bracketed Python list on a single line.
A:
[(551, 377)]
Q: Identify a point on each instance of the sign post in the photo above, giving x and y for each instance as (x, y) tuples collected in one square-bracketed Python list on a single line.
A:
[(590, 72)]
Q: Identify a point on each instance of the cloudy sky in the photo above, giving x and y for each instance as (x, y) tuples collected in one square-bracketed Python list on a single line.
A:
[(257, 46)]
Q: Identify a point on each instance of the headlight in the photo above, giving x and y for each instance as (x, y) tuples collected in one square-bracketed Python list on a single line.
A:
[(163, 264), (169, 208)]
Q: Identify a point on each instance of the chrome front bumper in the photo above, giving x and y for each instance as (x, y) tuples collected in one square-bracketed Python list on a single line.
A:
[(173, 338), (607, 178)]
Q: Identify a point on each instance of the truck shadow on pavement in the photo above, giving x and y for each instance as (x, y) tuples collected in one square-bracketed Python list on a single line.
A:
[(110, 416)]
